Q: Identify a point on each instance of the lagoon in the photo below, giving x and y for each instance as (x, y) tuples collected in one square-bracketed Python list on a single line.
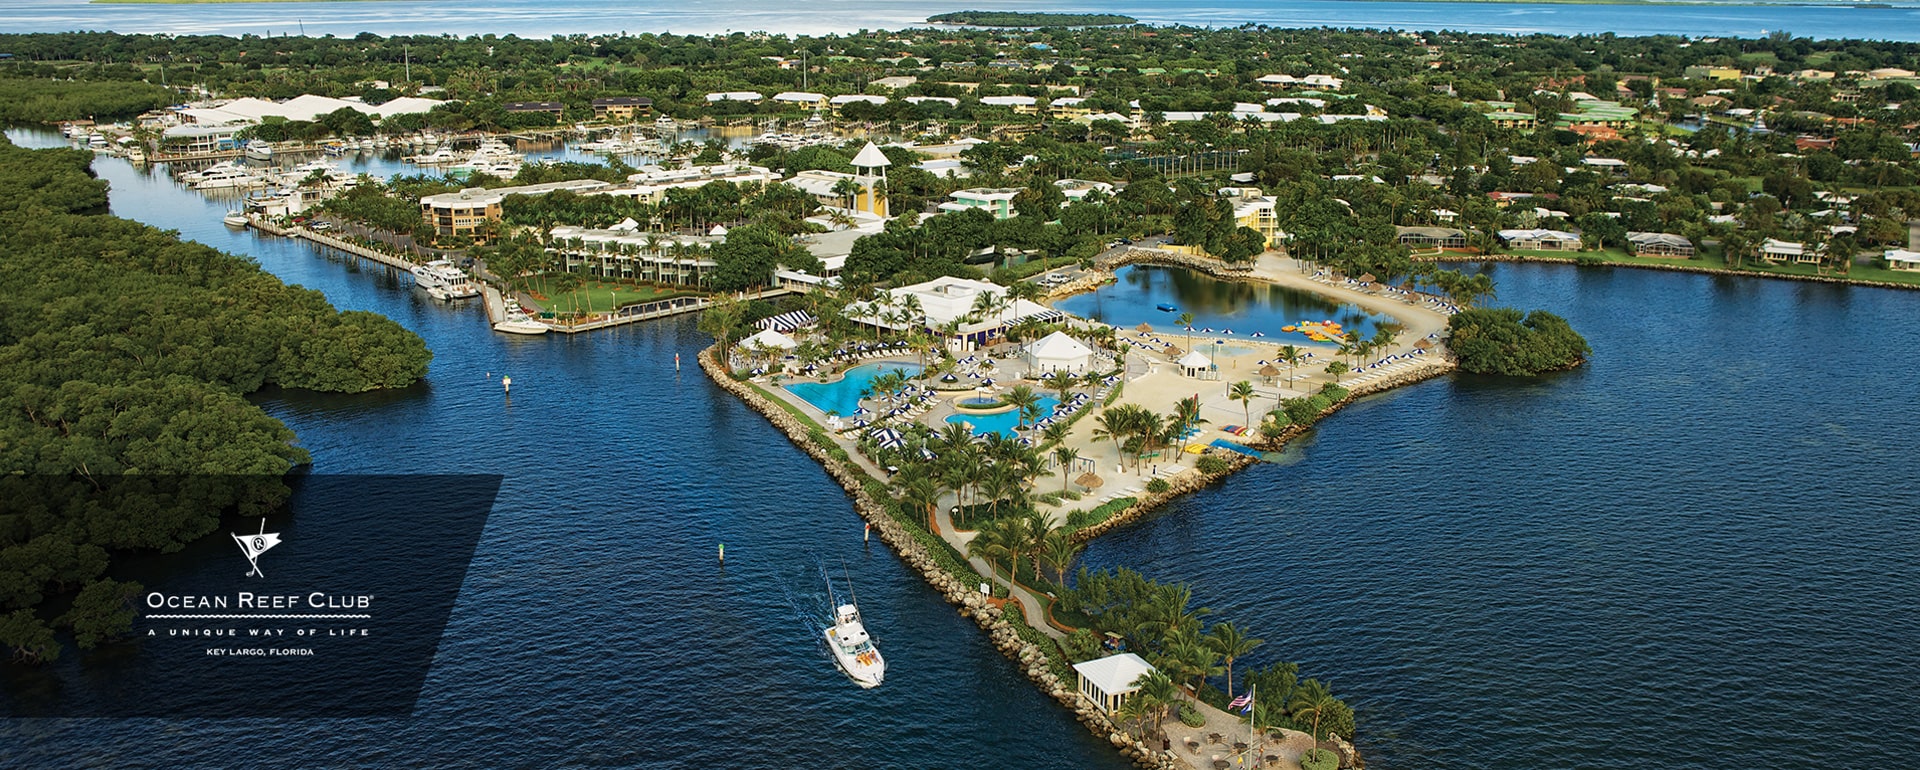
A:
[(1138, 291)]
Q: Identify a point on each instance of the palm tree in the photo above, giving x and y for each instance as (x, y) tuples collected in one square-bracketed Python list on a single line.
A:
[(1291, 355), (1113, 424), (1136, 708), (1061, 382), (1228, 640), (1064, 456), (1185, 321), (1023, 398), (921, 493), (1242, 392), (1337, 368), (1058, 551), (848, 188), (1315, 701), (1157, 693)]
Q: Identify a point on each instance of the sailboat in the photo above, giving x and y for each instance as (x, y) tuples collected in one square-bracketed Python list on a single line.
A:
[(852, 647)]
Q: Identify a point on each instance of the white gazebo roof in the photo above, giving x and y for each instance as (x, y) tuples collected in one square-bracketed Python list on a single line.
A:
[(769, 338), (1902, 255), (1194, 359), (1059, 345), (870, 156), (1114, 674)]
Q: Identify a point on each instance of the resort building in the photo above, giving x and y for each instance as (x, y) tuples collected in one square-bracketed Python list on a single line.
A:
[(1254, 210), (1431, 237), (651, 184), (1901, 259), (895, 82), (1058, 352), (195, 140), (1660, 245), (946, 100), (1021, 105), (621, 107), (845, 99), (1515, 120), (1106, 682), (624, 252), (1197, 365), (977, 310), (1540, 240), (1703, 72), (463, 212), (997, 201), (735, 96), (869, 167), (1069, 108), (806, 99)]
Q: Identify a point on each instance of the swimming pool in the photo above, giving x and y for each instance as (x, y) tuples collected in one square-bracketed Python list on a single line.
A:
[(842, 396), (1003, 422)]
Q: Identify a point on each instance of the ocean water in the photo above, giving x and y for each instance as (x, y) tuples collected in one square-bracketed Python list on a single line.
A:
[(1697, 551), (536, 18)]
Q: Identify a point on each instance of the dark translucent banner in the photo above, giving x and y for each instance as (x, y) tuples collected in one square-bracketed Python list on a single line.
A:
[(331, 605)]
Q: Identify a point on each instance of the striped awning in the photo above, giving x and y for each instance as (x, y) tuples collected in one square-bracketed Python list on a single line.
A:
[(787, 322)]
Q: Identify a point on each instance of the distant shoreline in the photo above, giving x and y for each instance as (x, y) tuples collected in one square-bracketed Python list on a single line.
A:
[(208, 2)]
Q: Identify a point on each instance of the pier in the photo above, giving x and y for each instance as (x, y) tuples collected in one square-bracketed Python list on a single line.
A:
[(295, 231)]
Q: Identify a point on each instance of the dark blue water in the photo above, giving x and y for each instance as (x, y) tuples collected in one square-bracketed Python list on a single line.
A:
[(1139, 291), (1697, 551), (595, 628), (540, 18)]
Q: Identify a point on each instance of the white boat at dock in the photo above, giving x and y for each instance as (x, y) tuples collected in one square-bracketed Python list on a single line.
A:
[(218, 178), (851, 645), (259, 150), (444, 156), (442, 280), (235, 219), (518, 322)]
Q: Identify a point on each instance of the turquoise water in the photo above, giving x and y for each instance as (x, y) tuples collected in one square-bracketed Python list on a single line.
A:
[(842, 396), (542, 18), (1244, 308), (1003, 422)]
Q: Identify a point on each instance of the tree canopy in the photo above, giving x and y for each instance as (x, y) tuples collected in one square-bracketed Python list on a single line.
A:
[(1502, 341)]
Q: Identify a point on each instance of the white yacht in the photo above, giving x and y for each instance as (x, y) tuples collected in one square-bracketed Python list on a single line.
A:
[(225, 178), (439, 157), (850, 644), (259, 150), (235, 219), (443, 281), (518, 322), (665, 123)]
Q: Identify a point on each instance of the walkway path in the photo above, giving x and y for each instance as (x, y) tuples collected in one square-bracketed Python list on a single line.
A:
[(1032, 605)]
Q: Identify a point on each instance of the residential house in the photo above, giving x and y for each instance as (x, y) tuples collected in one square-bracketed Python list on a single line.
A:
[(997, 201), (556, 109), (1421, 237), (1660, 245), (1772, 250), (1902, 260), (806, 99), (1021, 105), (1540, 240)]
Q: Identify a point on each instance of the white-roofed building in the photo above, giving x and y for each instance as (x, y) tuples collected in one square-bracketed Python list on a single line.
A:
[(997, 201), (1069, 108), (769, 339), (1021, 105), (306, 107), (1079, 189), (869, 166), (845, 99), (946, 100), (802, 98), (1327, 82), (948, 300), (620, 253), (1197, 364), (1660, 245), (735, 96), (468, 210), (1772, 250), (1106, 682), (1901, 259), (949, 168), (651, 184), (895, 82), (1058, 352), (1540, 240)]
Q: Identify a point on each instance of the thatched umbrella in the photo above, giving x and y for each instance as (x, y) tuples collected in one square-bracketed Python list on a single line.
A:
[(1088, 480), (1423, 344), (1269, 372), (1366, 278), (1175, 352), (1143, 329)]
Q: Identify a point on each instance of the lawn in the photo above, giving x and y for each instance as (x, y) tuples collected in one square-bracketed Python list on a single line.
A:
[(598, 296)]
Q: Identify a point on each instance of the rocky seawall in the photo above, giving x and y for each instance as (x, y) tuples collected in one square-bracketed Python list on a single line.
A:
[(1031, 659)]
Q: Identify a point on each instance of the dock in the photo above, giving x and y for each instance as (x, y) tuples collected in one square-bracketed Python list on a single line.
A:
[(295, 231), (647, 311)]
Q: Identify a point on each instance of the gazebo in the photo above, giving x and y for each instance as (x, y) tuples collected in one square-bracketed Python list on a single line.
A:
[(1106, 682), (1058, 352), (1196, 364), (770, 339)]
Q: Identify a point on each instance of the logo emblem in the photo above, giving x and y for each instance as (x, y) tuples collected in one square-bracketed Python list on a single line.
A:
[(254, 545)]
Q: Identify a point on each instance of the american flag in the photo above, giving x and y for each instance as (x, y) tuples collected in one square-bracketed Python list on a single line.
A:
[(1241, 702)]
